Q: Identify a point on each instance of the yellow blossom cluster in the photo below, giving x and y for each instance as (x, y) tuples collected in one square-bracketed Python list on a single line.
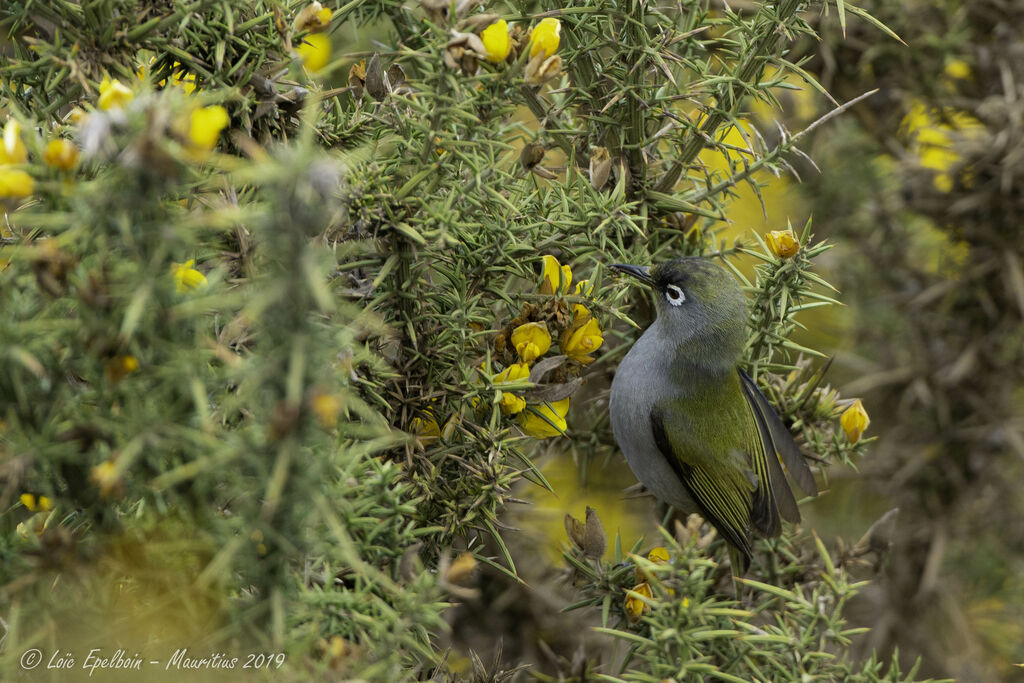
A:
[(496, 42), (532, 340), (933, 135)]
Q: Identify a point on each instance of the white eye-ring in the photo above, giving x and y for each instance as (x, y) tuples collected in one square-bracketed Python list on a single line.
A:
[(674, 295)]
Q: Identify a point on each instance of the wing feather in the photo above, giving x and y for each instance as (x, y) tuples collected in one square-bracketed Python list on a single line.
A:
[(792, 458)]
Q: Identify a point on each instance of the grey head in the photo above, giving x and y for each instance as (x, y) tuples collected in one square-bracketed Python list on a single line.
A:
[(700, 308)]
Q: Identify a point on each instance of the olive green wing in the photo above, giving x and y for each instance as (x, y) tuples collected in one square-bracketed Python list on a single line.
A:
[(722, 490)]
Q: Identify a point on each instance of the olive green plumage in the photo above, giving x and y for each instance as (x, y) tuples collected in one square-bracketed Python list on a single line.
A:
[(692, 425)]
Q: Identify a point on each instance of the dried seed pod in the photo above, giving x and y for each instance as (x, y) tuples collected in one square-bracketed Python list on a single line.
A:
[(594, 539), (357, 78), (576, 530), (540, 70), (376, 85)]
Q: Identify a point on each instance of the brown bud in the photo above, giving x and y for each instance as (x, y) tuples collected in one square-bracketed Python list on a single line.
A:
[(532, 154), (600, 167)]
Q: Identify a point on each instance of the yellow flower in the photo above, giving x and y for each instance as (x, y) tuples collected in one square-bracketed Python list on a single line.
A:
[(583, 288), (119, 366), (556, 277), (205, 125), (106, 477), (958, 68), (113, 94), (323, 17), (45, 504), (659, 555), (510, 403), (545, 420), (186, 277), (635, 604), (326, 408), (545, 37), (854, 421), (579, 341), (61, 153), (313, 17), (29, 501), (531, 341), (315, 51), (15, 183), (461, 569), (425, 428), (13, 151), (497, 41), (782, 243)]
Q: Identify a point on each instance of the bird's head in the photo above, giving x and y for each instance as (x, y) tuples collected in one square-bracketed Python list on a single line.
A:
[(699, 304)]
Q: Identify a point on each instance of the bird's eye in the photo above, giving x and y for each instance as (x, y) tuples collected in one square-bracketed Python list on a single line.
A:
[(674, 295)]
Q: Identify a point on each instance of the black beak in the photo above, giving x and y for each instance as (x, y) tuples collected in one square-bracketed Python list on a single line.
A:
[(641, 273)]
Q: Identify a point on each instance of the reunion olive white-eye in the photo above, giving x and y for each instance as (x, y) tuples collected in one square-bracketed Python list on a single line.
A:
[(694, 428)]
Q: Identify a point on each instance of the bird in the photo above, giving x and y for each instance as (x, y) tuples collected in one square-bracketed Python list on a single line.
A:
[(693, 426)]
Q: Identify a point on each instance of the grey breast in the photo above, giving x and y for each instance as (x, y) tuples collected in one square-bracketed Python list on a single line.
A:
[(641, 380)]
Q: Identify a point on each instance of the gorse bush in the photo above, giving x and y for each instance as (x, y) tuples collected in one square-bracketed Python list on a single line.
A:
[(276, 352)]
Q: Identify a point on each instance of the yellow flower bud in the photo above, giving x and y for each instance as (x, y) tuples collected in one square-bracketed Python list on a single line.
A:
[(61, 153), (186, 277), (119, 366), (544, 421), (497, 41), (29, 501), (556, 277), (579, 342), (531, 341), (315, 51), (545, 37), (45, 504), (205, 125), (782, 243), (326, 408), (15, 184), (635, 605), (855, 421), (958, 68), (106, 477), (12, 149), (461, 570), (113, 95)]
